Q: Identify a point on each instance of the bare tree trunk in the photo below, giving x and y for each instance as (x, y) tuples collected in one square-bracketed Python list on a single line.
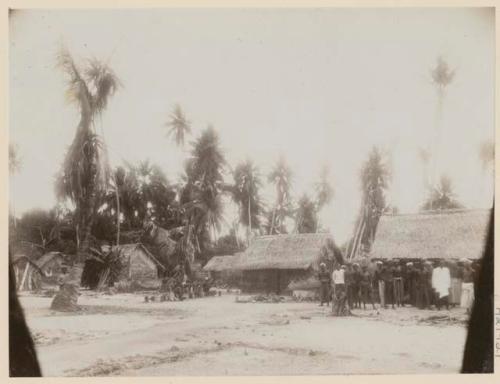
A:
[(117, 214), (271, 228)]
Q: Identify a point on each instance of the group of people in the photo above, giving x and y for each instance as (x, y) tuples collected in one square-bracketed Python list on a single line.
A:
[(396, 283), (178, 286)]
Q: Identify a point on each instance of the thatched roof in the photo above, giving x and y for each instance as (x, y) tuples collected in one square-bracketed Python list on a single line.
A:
[(49, 256), (434, 235), (221, 263), (297, 251), (126, 251)]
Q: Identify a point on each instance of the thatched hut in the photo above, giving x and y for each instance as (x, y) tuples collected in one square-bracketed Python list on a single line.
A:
[(27, 274), (53, 265), (127, 265), (433, 235), (270, 263), (222, 268)]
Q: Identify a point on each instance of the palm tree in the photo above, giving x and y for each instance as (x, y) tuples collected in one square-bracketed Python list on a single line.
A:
[(246, 194), (202, 193), (487, 153), (306, 219), (442, 197), (281, 176), (179, 126), (324, 191), (85, 173), (375, 177)]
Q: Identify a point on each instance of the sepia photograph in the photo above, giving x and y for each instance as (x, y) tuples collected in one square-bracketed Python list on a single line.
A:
[(251, 191)]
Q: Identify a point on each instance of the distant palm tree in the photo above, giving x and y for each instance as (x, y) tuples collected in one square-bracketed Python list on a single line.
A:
[(487, 153), (15, 164), (85, 173), (179, 125), (246, 194), (442, 197), (281, 176), (306, 219), (324, 191)]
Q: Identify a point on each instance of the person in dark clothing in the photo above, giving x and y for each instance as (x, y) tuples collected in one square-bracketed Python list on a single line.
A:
[(325, 282), (380, 283), (348, 284), (398, 285), (388, 277), (424, 287), (366, 292), (356, 285), (410, 283)]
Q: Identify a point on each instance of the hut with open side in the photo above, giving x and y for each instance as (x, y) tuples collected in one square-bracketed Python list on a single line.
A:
[(53, 265), (433, 235), (129, 266), (271, 263), (27, 274)]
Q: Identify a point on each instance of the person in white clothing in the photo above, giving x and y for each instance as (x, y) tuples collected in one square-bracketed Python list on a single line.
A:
[(441, 282)]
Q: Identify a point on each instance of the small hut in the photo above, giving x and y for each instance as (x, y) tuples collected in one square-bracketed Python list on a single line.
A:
[(27, 274), (52, 265), (128, 265), (270, 263), (433, 235)]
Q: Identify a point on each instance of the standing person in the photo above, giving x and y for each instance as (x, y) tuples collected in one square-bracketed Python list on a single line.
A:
[(398, 285), (325, 282), (409, 280), (388, 277), (456, 283), (356, 285), (424, 286), (366, 287), (380, 283), (467, 298), (339, 307), (348, 283), (441, 283)]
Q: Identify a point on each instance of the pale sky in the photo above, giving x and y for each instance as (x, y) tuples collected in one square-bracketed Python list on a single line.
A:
[(319, 86)]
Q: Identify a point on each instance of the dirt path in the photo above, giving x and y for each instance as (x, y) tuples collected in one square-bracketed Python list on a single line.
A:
[(121, 335)]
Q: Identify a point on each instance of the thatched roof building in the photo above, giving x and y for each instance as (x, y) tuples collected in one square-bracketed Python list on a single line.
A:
[(292, 252), (221, 263), (127, 263), (270, 263), (434, 235)]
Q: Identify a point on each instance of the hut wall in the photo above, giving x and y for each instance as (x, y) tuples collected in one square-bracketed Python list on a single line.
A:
[(269, 280), (142, 268)]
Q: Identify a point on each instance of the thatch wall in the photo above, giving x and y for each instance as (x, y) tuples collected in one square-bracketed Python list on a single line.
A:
[(434, 235)]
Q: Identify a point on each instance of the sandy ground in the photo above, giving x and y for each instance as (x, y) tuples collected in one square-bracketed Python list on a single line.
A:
[(120, 335)]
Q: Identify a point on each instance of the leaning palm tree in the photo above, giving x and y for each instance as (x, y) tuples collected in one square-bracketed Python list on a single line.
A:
[(246, 194), (281, 177), (179, 125), (85, 173), (324, 191)]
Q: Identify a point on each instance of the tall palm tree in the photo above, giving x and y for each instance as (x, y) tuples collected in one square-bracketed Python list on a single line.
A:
[(281, 176), (179, 125), (85, 172), (203, 187), (246, 194)]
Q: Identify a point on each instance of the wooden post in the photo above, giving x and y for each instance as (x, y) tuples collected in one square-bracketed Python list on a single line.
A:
[(24, 276)]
